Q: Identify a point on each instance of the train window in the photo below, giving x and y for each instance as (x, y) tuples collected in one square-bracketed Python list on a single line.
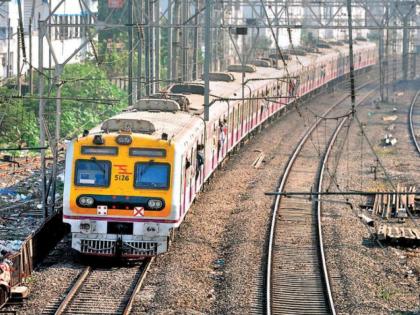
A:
[(151, 175), (92, 173), (146, 152)]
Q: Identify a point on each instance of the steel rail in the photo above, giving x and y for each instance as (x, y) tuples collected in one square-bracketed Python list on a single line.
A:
[(319, 209), (410, 121), (139, 283), (318, 202), (73, 291), (280, 189), (127, 303)]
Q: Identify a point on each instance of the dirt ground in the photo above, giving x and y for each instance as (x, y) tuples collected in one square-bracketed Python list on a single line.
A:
[(367, 278)]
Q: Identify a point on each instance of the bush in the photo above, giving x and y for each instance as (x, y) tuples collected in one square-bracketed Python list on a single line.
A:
[(87, 81), (19, 117), (18, 120)]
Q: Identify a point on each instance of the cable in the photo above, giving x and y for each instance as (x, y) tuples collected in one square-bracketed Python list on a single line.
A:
[(388, 178)]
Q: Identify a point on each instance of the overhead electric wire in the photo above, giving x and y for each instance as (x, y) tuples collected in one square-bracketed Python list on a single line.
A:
[(79, 99), (281, 57)]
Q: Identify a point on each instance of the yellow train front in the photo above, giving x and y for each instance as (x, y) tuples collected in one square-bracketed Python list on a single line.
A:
[(119, 189)]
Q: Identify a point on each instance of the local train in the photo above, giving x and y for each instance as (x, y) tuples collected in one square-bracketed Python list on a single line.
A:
[(130, 182)]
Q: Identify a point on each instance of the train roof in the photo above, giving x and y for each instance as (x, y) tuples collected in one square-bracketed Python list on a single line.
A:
[(171, 123), (177, 123)]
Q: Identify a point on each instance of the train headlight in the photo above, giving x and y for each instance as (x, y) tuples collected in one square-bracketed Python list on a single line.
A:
[(124, 139), (87, 226), (155, 204), (86, 201), (97, 139)]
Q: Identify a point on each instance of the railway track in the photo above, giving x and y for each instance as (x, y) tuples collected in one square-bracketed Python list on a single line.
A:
[(103, 291), (297, 277), (411, 123)]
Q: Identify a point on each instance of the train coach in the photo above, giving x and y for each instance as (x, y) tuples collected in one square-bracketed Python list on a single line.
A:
[(130, 181)]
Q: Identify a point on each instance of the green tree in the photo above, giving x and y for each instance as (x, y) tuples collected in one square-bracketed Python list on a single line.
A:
[(18, 120), (18, 116), (87, 81)]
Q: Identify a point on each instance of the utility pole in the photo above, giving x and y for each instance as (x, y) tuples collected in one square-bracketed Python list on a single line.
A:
[(18, 41), (139, 48), (170, 32), (152, 45), (352, 84), (413, 55), (213, 40), (9, 37), (175, 40), (48, 34), (381, 64), (405, 47), (386, 65), (195, 42), (394, 54), (223, 43), (130, 52), (184, 17), (41, 86), (219, 38), (57, 82), (157, 46), (20, 45), (31, 77), (207, 58), (147, 48)]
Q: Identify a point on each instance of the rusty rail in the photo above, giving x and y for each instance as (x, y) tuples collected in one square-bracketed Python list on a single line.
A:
[(411, 124)]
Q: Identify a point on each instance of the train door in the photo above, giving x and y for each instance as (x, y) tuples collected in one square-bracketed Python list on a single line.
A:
[(237, 123), (242, 119), (246, 115), (251, 112), (224, 135), (183, 186), (275, 99), (215, 150), (200, 160), (188, 174), (231, 129), (280, 94), (192, 173), (256, 109)]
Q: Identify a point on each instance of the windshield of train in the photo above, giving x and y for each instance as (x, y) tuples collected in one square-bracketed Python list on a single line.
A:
[(150, 175), (92, 173)]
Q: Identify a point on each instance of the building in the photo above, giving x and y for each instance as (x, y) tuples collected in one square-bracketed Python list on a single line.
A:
[(64, 40)]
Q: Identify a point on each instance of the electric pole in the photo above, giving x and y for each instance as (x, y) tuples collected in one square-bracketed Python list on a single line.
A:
[(130, 52), (41, 86), (207, 58), (352, 83), (157, 45)]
